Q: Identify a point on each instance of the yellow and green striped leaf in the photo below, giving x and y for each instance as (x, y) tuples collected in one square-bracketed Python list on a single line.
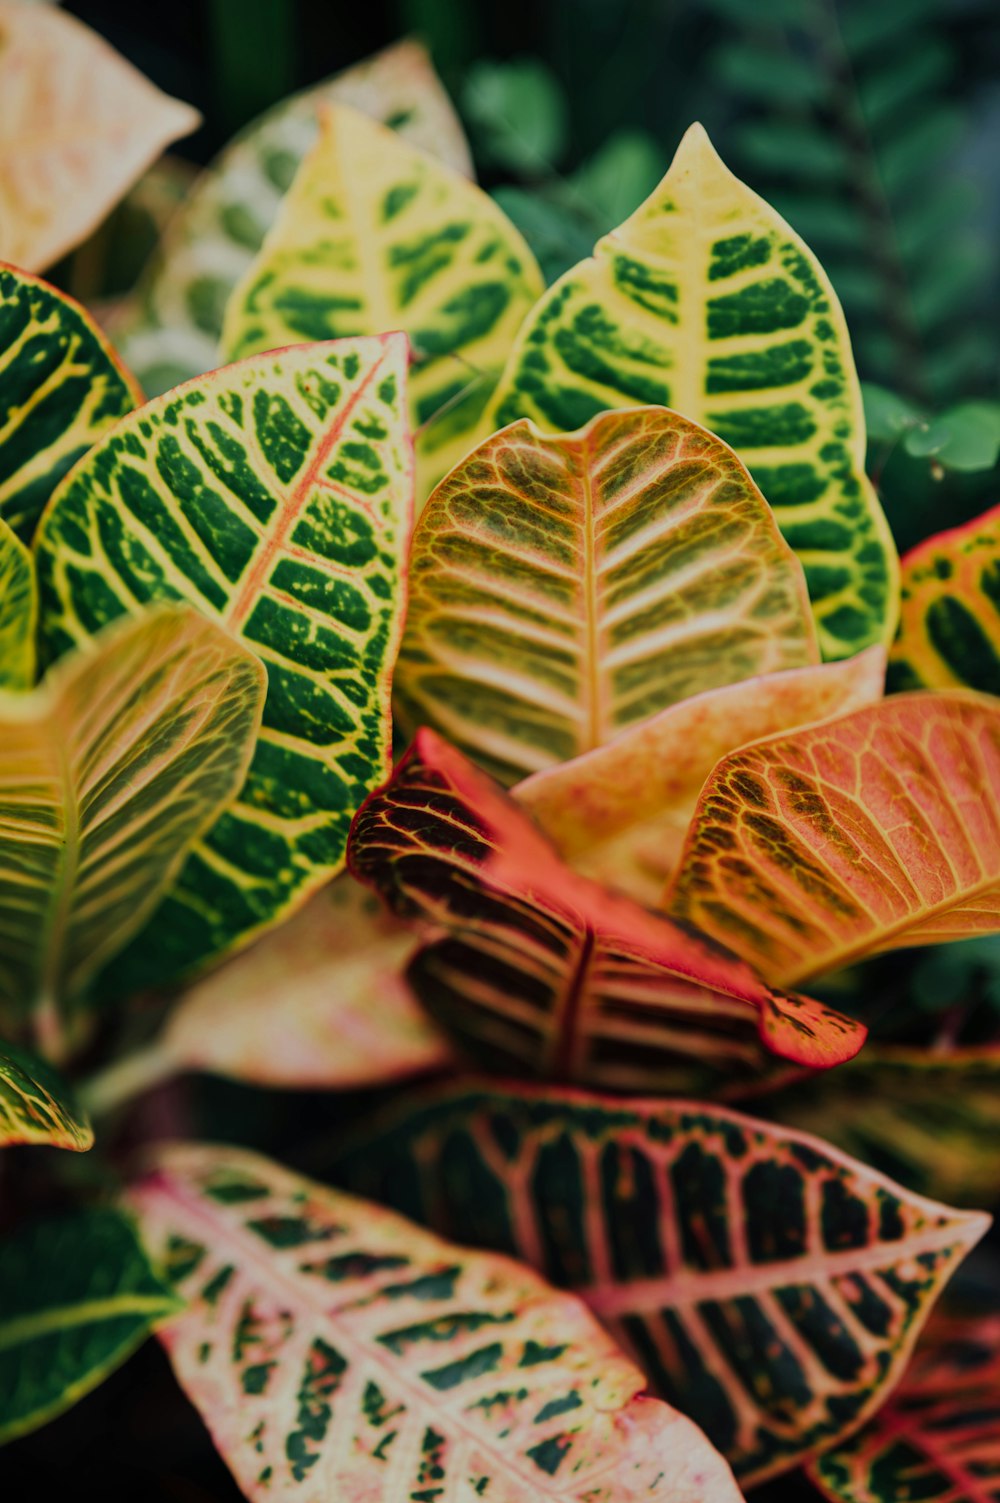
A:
[(37, 1106), (172, 333), (374, 234), (337, 1351), (564, 589), (18, 612), (130, 748), (705, 300), (61, 388), (77, 1296), (275, 496), (768, 1286), (949, 624), (876, 830)]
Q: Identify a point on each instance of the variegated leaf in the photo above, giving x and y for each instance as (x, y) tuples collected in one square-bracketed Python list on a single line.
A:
[(108, 772), (543, 971), (173, 331), (876, 830), (61, 387), (18, 612), (78, 124), (275, 495), (949, 627), (37, 1106), (337, 1351), (562, 590), (938, 1438), (767, 1285), (620, 813), (375, 234), (77, 1296), (705, 300)]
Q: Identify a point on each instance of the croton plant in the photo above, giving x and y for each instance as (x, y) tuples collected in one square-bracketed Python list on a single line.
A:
[(438, 675)]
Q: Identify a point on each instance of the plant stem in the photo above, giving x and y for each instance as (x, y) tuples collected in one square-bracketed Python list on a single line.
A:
[(127, 1077)]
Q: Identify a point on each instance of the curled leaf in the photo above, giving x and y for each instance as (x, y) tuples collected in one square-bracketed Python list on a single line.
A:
[(37, 1106)]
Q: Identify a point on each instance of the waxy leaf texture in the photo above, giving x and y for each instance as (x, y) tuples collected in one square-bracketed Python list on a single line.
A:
[(767, 1285), (37, 1106), (706, 301), (877, 830), (61, 387), (374, 234), (545, 972), (563, 589), (18, 612), (276, 496), (337, 1351)]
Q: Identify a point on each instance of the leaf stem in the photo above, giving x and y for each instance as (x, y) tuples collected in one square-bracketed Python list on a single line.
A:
[(127, 1077)]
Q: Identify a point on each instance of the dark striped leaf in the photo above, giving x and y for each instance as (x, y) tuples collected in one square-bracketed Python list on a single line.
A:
[(37, 1105), (768, 1285), (545, 972), (337, 1351), (18, 612)]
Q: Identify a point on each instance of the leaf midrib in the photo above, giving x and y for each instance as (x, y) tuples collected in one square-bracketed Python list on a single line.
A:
[(33, 1327)]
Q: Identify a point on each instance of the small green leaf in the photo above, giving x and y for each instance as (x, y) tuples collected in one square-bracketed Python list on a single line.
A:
[(887, 414), (616, 179), (781, 146), (764, 74), (37, 1106), (967, 437), (519, 110)]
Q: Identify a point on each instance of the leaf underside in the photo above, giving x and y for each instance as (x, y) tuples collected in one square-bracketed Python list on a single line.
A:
[(36, 1106)]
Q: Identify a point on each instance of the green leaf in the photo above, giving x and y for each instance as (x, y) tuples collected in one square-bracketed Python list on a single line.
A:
[(173, 331), (765, 75), (867, 27), (617, 178), (275, 495), (18, 612), (77, 1296), (519, 111), (37, 1106), (554, 229), (906, 160), (902, 79), (376, 235), (887, 414), (794, 148), (966, 437), (61, 388), (707, 302), (128, 751)]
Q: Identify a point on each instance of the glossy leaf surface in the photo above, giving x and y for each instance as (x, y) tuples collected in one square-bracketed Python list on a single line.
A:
[(173, 333), (620, 814), (18, 612), (877, 830), (374, 234), (61, 387), (706, 301), (78, 124), (276, 496), (766, 1284), (337, 1351), (563, 589), (77, 1296), (37, 1106), (544, 971)]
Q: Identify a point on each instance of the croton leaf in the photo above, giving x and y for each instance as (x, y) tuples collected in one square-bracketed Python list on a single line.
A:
[(707, 301), (876, 830), (61, 386), (375, 234), (78, 124), (938, 1438), (37, 1106), (329, 1342), (172, 332), (767, 1285), (543, 971), (620, 813), (18, 612), (77, 1296), (108, 772), (565, 588), (949, 627), (276, 495)]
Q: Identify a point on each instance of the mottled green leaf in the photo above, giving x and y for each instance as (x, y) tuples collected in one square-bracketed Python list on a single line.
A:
[(706, 301), (36, 1105), (275, 495), (18, 612)]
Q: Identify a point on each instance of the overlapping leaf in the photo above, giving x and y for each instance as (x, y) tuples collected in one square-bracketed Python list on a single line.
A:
[(545, 972), (77, 1296), (36, 1106), (564, 589), (705, 300), (337, 1351), (77, 126), (620, 814), (108, 772), (949, 627), (375, 234), (173, 332), (768, 1285), (61, 387), (275, 495), (938, 1439), (876, 830), (18, 612)]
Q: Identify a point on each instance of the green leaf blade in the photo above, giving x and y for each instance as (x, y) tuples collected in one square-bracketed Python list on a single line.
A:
[(37, 1106)]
